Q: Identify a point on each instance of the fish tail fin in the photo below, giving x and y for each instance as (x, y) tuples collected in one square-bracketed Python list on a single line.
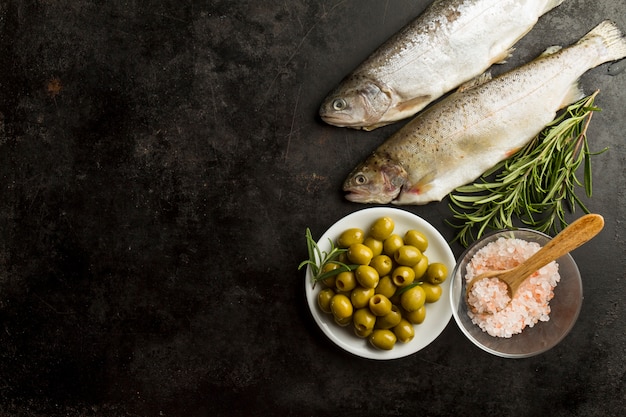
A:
[(612, 39), (551, 5)]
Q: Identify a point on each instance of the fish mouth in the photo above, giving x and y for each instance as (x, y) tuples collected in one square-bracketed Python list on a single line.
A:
[(340, 120), (357, 196)]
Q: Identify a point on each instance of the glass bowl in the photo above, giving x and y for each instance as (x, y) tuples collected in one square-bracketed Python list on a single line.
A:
[(565, 306)]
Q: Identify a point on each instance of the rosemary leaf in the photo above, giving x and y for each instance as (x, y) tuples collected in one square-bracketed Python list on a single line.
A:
[(318, 259)]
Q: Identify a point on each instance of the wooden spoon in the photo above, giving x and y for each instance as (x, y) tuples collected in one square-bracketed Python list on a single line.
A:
[(570, 238)]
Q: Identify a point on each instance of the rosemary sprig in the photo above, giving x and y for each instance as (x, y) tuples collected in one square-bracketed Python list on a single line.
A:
[(534, 185), (318, 259)]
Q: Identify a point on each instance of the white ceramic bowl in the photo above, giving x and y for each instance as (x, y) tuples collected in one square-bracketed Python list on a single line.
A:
[(438, 314), (565, 306)]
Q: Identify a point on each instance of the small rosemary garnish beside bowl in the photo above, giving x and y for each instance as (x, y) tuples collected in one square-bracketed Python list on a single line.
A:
[(318, 259), (535, 185)]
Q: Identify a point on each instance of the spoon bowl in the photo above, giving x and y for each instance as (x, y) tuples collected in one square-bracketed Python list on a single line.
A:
[(573, 236)]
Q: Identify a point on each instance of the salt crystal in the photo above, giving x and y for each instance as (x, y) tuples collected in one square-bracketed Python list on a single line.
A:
[(494, 312)]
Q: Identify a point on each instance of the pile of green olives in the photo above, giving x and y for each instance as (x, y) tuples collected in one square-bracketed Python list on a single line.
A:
[(387, 290)]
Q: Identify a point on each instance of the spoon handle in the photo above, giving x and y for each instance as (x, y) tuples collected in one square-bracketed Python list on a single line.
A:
[(570, 238)]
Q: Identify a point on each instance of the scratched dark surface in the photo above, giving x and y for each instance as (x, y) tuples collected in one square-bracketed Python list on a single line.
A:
[(159, 163)]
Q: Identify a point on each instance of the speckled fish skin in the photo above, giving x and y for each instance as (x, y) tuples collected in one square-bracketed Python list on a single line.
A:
[(451, 42), (474, 128)]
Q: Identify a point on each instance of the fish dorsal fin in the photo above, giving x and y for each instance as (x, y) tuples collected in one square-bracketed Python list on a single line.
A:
[(475, 82), (551, 50)]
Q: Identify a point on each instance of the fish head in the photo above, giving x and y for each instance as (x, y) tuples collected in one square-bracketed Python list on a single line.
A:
[(377, 180), (357, 103)]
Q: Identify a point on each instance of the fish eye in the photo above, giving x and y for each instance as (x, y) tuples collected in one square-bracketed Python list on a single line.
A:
[(360, 179), (339, 104)]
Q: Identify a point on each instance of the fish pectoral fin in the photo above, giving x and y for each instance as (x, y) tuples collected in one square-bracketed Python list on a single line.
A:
[(573, 95), (420, 188), (475, 82), (374, 126), (418, 102), (424, 185)]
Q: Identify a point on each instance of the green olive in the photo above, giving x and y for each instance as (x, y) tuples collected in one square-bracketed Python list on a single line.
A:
[(383, 339), (403, 276), (350, 237), (344, 321), (380, 305), (386, 287), (382, 264), (413, 298), (436, 273), (346, 281), (367, 276), (416, 317), (360, 296), (343, 258), (389, 320), (359, 254), (407, 255), (323, 299), (421, 267), (391, 245), (363, 334), (340, 306), (382, 228), (417, 239), (330, 281), (432, 291), (404, 331), (363, 319), (374, 244)]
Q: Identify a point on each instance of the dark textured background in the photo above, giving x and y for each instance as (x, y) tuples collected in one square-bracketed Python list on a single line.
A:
[(159, 163)]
